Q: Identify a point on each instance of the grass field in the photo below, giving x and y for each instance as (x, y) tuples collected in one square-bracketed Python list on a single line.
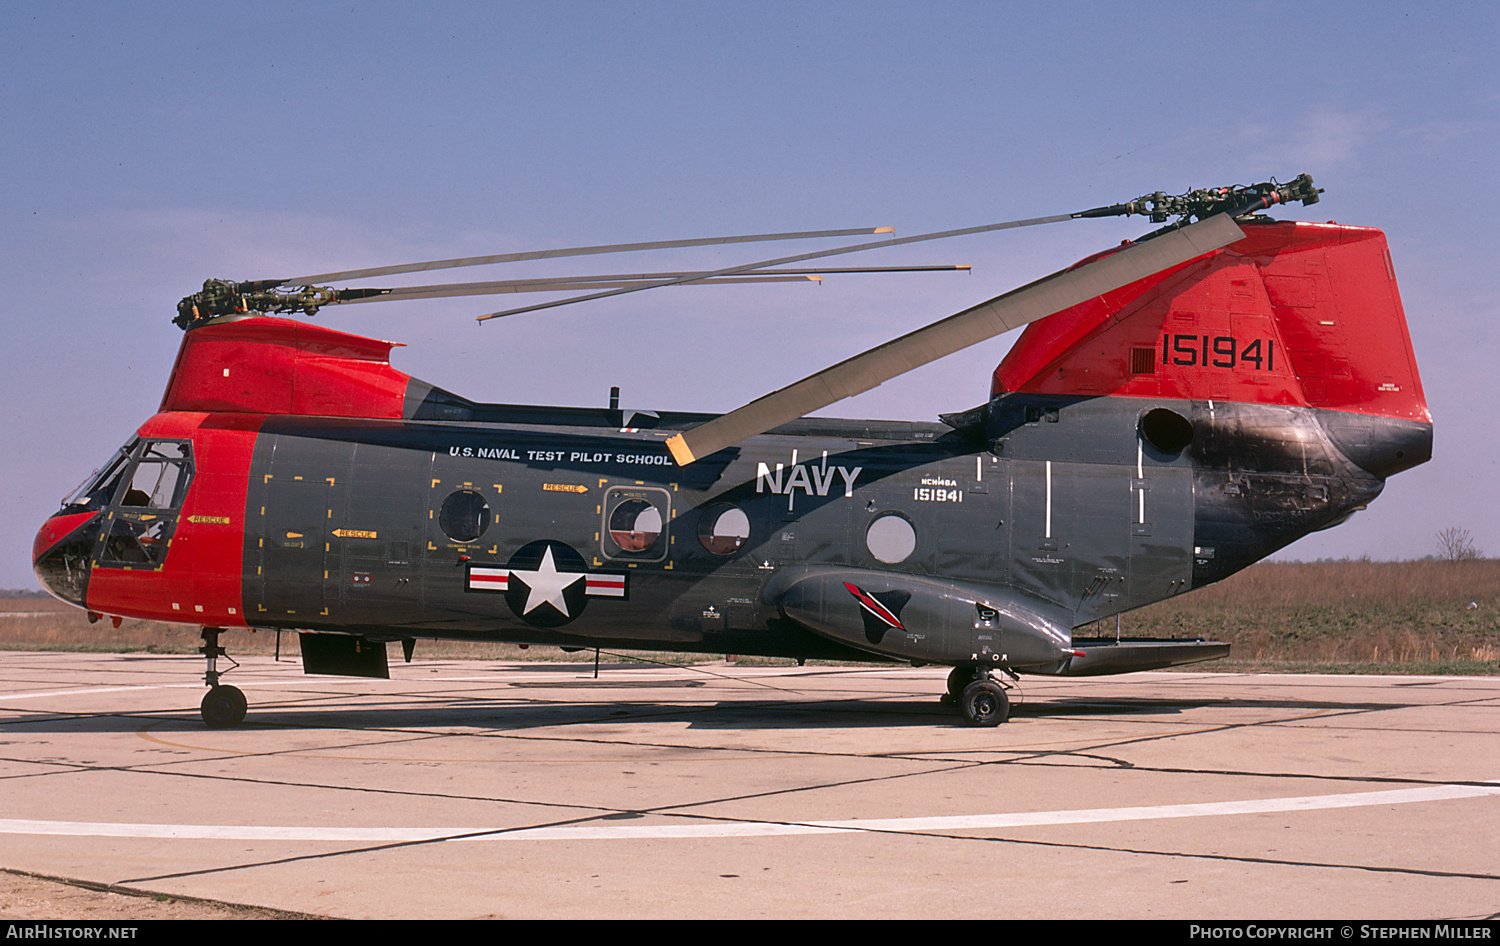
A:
[(1346, 616)]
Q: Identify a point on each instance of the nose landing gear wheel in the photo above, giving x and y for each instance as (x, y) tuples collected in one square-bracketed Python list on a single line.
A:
[(984, 703), (223, 707)]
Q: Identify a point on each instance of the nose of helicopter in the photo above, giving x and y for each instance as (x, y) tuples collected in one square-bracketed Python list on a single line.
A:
[(60, 554)]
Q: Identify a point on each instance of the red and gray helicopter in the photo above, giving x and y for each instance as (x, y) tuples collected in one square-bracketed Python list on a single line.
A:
[(1178, 408)]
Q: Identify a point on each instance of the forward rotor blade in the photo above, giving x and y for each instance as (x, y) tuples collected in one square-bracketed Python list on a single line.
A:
[(751, 267), (615, 280), (1001, 314), (449, 290), (570, 251)]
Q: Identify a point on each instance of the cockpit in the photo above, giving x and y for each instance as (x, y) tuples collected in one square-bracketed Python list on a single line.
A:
[(123, 516)]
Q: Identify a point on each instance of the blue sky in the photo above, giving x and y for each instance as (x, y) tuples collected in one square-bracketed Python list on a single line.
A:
[(148, 146)]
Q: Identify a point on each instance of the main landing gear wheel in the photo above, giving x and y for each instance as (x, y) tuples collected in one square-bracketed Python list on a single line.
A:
[(223, 707), (984, 703)]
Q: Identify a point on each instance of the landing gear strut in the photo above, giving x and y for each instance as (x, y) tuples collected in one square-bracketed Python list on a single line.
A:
[(982, 700), (224, 706), (958, 678)]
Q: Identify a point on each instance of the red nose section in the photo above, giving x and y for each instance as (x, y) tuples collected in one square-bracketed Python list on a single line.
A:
[(54, 530), (61, 552)]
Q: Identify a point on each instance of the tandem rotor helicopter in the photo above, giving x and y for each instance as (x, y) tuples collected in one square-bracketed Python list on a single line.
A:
[(1177, 409)]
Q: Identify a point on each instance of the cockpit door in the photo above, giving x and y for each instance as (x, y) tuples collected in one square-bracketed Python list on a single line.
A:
[(144, 505)]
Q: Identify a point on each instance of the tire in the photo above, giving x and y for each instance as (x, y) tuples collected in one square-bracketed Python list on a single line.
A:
[(223, 707), (985, 704)]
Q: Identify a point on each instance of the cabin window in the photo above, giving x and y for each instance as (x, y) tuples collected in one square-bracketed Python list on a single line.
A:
[(635, 523), (723, 529), (891, 538), (464, 515)]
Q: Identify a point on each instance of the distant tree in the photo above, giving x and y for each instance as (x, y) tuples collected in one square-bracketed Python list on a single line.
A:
[(1457, 545)]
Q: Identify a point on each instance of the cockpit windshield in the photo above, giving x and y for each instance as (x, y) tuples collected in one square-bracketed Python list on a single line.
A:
[(99, 488), (158, 471)]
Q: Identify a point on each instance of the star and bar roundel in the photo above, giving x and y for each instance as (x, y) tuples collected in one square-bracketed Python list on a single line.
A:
[(546, 583)]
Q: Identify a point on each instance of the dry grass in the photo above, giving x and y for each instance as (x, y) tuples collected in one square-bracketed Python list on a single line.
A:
[(46, 624), (1409, 617), (1349, 616)]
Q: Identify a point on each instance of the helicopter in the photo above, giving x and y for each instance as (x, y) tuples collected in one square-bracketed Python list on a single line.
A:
[(1176, 409)]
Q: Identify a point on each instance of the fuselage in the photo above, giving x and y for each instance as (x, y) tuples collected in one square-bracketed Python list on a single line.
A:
[(1148, 442), (409, 529)]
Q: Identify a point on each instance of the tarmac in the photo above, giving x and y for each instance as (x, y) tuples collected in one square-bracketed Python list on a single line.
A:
[(473, 789)]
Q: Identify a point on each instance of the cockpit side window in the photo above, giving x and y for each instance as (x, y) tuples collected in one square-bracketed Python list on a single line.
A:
[(148, 492), (158, 481)]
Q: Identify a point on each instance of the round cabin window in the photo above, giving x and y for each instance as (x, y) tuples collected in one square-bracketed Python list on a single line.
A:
[(723, 529), (891, 538), (464, 516), (634, 525)]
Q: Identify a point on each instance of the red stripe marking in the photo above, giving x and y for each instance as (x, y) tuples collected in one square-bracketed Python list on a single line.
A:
[(880, 611), (609, 585)]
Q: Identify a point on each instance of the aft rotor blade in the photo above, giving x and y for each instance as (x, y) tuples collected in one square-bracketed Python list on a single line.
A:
[(1001, 314), (751, 267), (571, 251)]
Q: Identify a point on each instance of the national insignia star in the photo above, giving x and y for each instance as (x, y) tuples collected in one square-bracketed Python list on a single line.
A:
[(547, 585)]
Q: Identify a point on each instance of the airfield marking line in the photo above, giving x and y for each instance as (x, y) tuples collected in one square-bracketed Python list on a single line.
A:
[(1296, 719), (7, 697), (749, 828), (4, 697), (339, 753), (718, 676), (1021, 753), (335, 752), (1238, 858)]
